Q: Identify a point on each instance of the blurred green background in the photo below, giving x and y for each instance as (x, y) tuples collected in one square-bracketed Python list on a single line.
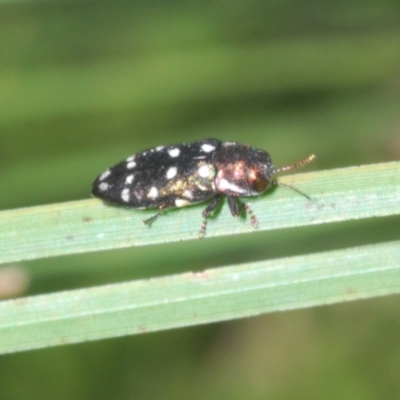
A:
[(84, 84)]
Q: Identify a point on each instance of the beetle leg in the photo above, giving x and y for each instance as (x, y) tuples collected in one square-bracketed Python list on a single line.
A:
[(235, 205), (150, 220), (207, 212)]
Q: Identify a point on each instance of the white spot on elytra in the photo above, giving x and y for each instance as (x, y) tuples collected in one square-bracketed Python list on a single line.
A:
[(131, 158), (226, 144), (224, 184), (206, 147), (153, 193), (181, 202), (125, 196), (131, 164), (159, 148), (104, 175), (174, 152), (204, 171), (188, 194), (129, 179), (171, 173), (103, 186)]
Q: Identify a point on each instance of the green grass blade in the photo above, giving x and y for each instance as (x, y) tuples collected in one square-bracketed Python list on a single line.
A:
[(89, 225), (198, 298)]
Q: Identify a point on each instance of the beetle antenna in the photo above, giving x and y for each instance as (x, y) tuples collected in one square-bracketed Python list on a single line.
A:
[(295, 165)]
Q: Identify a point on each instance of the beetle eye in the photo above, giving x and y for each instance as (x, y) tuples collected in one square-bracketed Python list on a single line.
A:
[(260, 184)]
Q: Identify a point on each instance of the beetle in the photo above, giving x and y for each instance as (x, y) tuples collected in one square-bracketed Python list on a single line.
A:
[(180, 175)]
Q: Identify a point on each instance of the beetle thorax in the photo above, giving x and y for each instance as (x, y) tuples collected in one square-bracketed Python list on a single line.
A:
[(242, 170)]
